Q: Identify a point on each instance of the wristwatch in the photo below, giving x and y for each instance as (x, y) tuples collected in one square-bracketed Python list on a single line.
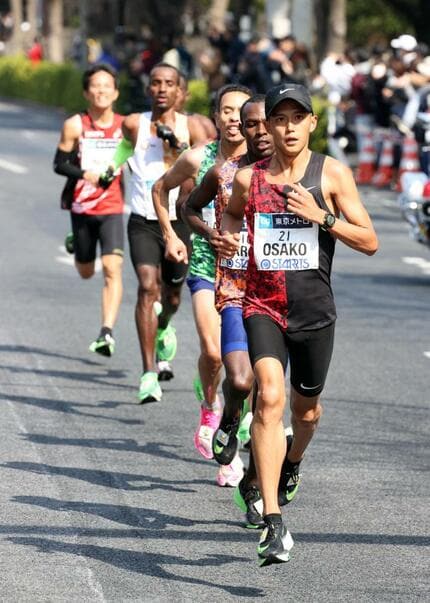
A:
[(328, 222)]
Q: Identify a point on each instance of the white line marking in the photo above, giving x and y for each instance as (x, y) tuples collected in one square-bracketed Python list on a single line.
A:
[(69, 259), (427, 354), (13, 167), (421, 263)]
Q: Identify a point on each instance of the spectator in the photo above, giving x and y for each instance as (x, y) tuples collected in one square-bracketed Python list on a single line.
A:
[(35, 52)]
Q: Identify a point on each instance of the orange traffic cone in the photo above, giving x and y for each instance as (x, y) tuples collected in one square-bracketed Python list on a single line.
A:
[(410, 161), (384, 173), (366, 160)]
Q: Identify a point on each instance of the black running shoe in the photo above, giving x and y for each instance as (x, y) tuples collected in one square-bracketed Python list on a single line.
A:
[(164, 370), (275, 542), (104, 345), (248, 499), (225, 441), (290, 478)]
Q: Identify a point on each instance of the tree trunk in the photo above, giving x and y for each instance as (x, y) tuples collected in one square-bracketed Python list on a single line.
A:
[(216, 13), (337, 26), (16, 41), (55, 31)]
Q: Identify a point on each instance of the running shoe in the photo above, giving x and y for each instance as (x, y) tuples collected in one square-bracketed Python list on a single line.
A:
[(149, 388), (165, 371), (104, 345), (198, 389), (158, 308), (243, 433), (203, 437), (275, 542), (290, 478), (225, 442), (248, 499), (69, 243), (230, 475), (166, 343)]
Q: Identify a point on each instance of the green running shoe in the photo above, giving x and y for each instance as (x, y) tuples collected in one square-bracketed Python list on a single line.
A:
[(69, 243), (166, 343), (248, 499), (149, 388), (243, 432), (289, 479), (275, 542), (198, 389), (104, 345)]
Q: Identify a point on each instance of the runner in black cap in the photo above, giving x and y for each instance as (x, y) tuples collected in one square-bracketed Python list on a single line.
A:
[(297, 204)]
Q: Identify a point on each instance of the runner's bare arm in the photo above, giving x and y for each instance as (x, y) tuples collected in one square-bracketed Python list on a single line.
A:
[(197, 130), (199, 198), (339, 189), (186, 166), (232, 218), (130, 128)]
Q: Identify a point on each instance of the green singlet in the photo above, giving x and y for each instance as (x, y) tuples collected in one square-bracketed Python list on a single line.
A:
[(202, 262)]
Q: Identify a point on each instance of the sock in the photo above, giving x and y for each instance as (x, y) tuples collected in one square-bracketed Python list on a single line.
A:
[(273, 518), (105, 331), (215, 407)]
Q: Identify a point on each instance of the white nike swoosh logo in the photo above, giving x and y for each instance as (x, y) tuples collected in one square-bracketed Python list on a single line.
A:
[(286, 90), (177, 280), (313, 387)]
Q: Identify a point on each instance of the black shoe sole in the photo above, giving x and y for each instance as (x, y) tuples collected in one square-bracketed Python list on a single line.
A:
[(148, 400), (271, 560), (104, 351), (165, 375)]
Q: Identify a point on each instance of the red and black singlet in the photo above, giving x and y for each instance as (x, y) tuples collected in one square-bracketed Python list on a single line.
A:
[(290, 259)]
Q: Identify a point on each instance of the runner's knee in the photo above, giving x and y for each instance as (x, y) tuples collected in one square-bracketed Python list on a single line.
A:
[(305, 414), (270, 404)]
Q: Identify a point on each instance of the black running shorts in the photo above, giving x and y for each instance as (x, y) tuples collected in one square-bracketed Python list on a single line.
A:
[(309, 352), (147, 247), (88, 230)]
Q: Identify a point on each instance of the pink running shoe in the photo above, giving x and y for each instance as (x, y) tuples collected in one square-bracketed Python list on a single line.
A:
[(209, 422), (230, 475)]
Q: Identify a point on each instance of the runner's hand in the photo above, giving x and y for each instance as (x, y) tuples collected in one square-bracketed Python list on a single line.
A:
[(92, 177), (176, 250), (227, 244), (302, 203)]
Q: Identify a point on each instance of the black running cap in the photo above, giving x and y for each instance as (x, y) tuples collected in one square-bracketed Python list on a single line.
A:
[(295, 92)]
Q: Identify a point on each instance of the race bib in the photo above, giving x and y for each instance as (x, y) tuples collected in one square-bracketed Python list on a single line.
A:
[(150, 213), (285, 242), (240, 259), (97, 153), (208, 215)]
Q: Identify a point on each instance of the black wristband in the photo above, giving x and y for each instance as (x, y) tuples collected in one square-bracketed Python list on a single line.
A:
[(66, 164)]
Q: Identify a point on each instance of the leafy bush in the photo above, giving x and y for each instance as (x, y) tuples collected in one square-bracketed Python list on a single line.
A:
[(199, 101), (319, 137), (60, 86)]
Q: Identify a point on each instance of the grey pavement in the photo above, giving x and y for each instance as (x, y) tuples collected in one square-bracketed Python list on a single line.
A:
[(106, 500)]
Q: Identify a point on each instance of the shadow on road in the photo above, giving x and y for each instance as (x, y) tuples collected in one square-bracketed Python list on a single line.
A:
[(157, 449), (73, 408), (110, 479), (149, 564)]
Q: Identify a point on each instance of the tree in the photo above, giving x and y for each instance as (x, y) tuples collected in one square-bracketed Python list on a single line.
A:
[(336, 26), (54, 12)]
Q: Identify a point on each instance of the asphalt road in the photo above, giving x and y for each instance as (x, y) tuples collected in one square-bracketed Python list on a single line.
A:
[(106, 500)]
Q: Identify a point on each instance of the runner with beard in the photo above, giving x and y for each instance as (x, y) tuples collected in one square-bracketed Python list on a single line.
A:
[(230, 287), (156, 139), (194, 164)]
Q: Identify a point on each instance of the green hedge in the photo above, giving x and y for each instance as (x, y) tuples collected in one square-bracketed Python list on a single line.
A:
[(60, 86)]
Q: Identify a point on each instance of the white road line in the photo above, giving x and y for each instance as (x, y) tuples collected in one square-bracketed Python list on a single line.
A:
[(69, 260), (427, 354), (13, 167), (421, 263), (28, 134)]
